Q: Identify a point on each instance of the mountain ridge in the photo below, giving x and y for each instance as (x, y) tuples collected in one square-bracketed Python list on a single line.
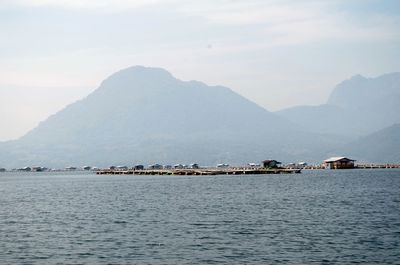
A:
[(146, 115), (374, 148), (358, 106)]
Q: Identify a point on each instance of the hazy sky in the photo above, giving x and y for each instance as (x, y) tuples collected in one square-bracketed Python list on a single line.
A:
[(276, 53)]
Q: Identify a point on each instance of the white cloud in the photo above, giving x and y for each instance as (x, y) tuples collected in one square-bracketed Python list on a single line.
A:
[(330, 28), (94, 5), (246, 13), (282, 23)]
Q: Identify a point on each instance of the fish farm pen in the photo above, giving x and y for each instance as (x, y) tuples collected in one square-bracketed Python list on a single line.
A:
[(243, 171)]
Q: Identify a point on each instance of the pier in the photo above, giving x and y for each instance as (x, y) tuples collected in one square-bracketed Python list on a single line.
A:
[(237, 171)]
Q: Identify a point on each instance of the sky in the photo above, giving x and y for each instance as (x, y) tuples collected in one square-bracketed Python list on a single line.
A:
[(278, 54)]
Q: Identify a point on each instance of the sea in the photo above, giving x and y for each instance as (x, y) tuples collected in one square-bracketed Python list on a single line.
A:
[(316, 217)]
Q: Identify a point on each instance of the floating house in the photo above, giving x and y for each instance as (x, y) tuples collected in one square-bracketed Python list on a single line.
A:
[(302, 164), (222, 165), (271, 163), (339, 163), (178, 166), (155, 166), (138, 167), (39, 169), (24, 169), (194, 166), (253, 165)]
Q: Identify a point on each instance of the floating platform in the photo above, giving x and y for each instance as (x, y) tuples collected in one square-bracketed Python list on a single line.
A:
[(200, 172)]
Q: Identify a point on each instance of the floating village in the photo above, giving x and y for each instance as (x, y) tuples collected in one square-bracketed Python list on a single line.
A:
[(269, 166)]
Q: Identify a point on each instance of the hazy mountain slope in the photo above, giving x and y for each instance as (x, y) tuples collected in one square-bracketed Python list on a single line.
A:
[(146, 115), (140, 100), (323, 118), (356, 107), (358, 91), (379, 147)]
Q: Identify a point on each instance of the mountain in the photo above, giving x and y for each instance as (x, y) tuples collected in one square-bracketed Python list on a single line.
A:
[(145, 115), (328, 119), (356, 107), (380, 147), (359, 91)]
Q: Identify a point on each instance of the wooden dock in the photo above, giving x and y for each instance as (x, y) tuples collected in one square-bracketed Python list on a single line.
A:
[(243, 171)]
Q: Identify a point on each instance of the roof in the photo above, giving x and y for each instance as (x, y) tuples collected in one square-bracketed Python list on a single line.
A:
[(268, 161), (338, 158)]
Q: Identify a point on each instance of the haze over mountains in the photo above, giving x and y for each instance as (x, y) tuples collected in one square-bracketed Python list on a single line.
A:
[(145, 115), (363, 112), (356, 107), (381, 147)]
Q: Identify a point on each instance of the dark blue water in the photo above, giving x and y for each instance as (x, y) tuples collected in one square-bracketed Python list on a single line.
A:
[(320, 216)]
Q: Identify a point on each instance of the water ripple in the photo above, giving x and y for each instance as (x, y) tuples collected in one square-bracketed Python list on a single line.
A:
[(323, 217)]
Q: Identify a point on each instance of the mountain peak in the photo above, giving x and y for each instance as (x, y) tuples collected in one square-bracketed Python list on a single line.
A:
[(145, 115), (136, 80), (140, 69), (141, 72), (357, 77)]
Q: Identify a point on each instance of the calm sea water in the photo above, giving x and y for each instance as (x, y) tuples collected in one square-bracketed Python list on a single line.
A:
[(320, 216)]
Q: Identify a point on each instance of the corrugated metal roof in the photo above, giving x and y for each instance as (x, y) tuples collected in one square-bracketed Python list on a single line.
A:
[(337, 158)]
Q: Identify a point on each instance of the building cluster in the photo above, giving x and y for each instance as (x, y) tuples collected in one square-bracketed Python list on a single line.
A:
[(44, 169), (331, 163)]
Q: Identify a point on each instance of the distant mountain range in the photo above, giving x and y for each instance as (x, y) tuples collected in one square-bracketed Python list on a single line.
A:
[(356, 107), (380, 147), (145, 115)]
